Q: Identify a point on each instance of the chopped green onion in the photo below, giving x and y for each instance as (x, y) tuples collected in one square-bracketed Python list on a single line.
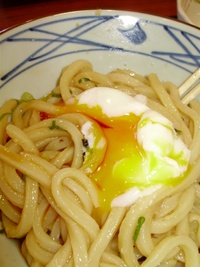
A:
[(84, 80), (56, 95), (27, 97), (178, 132), (54, 126), (4, 114), (140, 222)]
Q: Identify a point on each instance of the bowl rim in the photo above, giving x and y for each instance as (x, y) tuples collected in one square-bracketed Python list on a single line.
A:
[(121, 14), (27, 22)]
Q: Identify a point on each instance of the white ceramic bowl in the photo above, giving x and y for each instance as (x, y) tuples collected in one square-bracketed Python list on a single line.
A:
[(189, 11), (34, 54)]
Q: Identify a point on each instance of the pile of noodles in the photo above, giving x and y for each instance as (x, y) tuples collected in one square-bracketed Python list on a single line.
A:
[(48, 201)]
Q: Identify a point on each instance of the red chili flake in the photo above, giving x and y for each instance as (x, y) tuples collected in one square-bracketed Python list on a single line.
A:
[(44, 115)]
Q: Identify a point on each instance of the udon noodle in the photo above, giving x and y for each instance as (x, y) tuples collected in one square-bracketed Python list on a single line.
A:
[(47, 197)]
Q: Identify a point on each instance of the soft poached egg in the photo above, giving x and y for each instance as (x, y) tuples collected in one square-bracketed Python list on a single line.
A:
[(142, 151)]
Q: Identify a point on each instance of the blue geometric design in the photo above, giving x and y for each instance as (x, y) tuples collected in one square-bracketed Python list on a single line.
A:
[(54, 44), (186, 57), (135, 34)]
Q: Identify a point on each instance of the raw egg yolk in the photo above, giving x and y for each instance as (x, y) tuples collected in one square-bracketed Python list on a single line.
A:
[(116, 173), (142, 148)]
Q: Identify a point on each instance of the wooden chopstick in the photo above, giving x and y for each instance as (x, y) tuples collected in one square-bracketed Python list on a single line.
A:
[(191, 95), (188, 89)]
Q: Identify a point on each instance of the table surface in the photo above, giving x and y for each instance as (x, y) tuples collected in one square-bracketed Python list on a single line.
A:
[(15, 12)]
